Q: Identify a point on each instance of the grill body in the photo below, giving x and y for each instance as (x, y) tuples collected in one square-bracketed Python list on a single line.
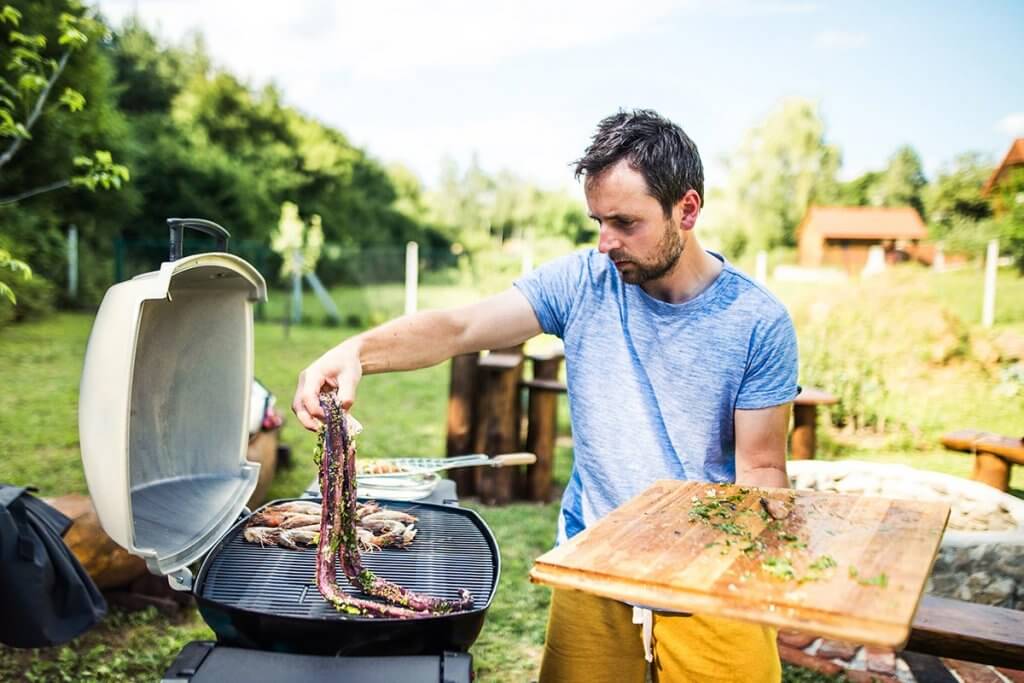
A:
[(266, 597)]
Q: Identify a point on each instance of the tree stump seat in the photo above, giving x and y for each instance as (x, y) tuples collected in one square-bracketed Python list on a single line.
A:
[(542, 422), (994, 454), (805, 421)]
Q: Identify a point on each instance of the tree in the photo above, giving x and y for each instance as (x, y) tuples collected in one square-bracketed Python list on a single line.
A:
[(783, 165), (1008, 203), (901, 183), (297, 243), (35, 71), (8, 262), (859, 191), (955, 196), (60, 107)]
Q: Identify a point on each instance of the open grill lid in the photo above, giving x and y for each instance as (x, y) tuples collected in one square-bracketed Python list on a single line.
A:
[(164, 403)]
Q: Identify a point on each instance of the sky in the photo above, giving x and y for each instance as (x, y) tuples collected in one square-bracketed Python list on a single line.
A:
[(521, 85)]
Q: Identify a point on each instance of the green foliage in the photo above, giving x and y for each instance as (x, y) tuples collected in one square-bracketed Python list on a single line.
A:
[(1008, 202), (8, 262), (856, 378), (77, 117), (479, 211), (404, 414), (294, 237), (100, 171), (901, 183), (783, 165), (954, 201), (35, 71)]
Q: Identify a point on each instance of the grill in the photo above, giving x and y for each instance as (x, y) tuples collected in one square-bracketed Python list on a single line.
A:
[(266, 597), (163, 426)]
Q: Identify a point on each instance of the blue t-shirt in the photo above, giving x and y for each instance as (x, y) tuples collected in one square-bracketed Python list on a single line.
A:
[(652, 385)]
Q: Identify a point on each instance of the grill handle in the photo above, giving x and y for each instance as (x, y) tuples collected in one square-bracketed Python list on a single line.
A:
[(177, 228)]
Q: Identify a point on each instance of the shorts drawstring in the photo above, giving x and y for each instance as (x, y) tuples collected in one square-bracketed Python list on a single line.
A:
[(645, 618)]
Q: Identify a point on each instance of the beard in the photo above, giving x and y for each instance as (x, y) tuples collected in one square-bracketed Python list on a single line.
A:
[(636, 271)]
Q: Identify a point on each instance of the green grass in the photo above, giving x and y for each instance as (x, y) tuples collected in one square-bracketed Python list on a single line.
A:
[(961, 292), (891, 324), (404, 414)]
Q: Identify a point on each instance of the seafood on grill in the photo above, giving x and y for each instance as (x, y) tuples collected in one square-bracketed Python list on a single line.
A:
[(372, 467), (378, 527), (339, 535)]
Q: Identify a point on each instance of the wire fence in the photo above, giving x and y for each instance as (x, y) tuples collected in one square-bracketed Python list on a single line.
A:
[(367, 286)]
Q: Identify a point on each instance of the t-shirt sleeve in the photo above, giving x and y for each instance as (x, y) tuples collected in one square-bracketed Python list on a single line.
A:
[(771, 375), (552, 290)]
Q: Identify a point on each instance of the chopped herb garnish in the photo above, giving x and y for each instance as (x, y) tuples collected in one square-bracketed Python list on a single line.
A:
[(779, 567), (822, 563), (881, 580)]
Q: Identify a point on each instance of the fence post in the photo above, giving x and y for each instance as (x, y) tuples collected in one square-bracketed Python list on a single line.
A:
[(761, 267), (988, 306), (73, 262), (119, 259), (939, 263), (412, 264), (296, 286), (527, 264)]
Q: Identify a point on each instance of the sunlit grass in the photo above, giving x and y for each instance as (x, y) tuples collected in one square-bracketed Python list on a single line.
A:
[(404, 414)]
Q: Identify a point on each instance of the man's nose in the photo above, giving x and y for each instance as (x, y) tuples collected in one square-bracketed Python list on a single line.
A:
[(606, 241)]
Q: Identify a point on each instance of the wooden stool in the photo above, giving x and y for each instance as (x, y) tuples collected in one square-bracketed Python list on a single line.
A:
[(804, 440)]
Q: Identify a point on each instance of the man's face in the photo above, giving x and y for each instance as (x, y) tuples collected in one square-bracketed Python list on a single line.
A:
[(633, 229)]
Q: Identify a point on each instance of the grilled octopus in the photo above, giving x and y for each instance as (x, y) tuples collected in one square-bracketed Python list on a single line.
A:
[(339, 536)]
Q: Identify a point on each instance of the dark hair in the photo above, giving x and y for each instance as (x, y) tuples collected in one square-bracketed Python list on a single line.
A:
[(654, 146)]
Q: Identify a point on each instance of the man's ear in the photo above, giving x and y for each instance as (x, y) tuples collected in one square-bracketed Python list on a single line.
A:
[(687, 210)]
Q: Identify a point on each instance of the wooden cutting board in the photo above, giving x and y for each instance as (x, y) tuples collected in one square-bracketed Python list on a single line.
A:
[(714, 549)]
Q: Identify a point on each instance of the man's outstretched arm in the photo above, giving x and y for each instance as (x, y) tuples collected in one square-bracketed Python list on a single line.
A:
[(411, 342), (761, 446)]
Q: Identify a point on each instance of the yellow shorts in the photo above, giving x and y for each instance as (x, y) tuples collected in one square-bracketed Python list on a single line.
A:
[(594, 640)]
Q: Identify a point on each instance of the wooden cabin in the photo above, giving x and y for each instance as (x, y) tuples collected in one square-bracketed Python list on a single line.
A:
[(841, 236)]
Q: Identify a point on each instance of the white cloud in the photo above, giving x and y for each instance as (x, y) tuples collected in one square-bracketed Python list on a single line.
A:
[(753, 8), (1012, 124), (390, 39), (543, 144), (840, 40)]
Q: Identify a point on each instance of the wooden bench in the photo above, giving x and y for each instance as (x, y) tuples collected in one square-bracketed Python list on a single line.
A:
[(994, 455), (804, 440), (970, 632)]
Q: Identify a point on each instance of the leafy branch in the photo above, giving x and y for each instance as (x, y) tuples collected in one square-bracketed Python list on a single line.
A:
[(22, 102), (7, 262)]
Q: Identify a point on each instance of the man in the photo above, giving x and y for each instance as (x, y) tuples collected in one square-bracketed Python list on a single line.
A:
[(679, 366)]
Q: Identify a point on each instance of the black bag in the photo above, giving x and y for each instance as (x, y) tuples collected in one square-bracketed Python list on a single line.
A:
[(46, 598)]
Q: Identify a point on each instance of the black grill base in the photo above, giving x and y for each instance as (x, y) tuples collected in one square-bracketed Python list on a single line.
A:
[(206, 662)]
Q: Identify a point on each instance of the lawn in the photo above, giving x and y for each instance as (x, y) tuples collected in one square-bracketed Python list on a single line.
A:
[(883, 331), (404, 414)]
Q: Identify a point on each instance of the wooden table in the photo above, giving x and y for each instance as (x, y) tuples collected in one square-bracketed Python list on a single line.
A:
[(805, 421), (994, 454), (658, 550)]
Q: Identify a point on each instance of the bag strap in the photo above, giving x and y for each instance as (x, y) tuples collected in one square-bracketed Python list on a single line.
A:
[(9, 494)]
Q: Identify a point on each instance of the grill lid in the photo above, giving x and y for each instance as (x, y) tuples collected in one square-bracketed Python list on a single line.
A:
[(164, 404)]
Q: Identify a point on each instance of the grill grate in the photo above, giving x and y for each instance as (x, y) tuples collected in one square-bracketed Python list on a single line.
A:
[(452, 550)]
